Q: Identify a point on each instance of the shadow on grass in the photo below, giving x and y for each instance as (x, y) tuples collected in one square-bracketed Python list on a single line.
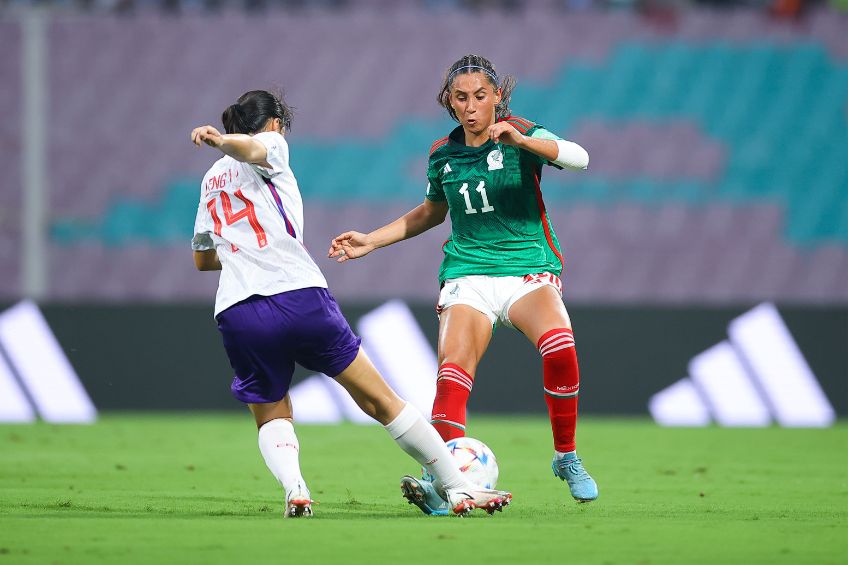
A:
[(329, 511)]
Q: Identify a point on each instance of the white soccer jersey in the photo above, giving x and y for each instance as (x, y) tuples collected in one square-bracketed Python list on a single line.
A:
[(253, 218)]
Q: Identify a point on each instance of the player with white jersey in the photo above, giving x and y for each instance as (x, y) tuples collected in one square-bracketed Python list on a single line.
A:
[(265, 234), (274, 310), (501, 263)]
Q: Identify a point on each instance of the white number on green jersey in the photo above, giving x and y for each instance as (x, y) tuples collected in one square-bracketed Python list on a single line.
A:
[(481, 188)]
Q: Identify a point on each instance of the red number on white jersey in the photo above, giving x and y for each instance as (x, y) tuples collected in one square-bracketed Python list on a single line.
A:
[(231, 217)]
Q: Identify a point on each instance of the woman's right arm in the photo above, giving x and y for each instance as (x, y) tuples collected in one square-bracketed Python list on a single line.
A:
[(239, 146), (353, 245)]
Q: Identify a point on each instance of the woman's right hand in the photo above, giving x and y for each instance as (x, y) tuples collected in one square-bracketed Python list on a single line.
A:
[(208, 135), (349, 245)]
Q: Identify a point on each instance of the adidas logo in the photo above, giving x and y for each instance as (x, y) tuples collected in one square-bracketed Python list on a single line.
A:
[(754, 378), (398, 348), (36, 377), (447, 169)]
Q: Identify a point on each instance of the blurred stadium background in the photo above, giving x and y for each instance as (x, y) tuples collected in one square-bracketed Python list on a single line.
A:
[(718, 136)]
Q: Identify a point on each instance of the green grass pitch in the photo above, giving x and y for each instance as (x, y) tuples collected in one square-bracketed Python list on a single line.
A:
[(194, 489)]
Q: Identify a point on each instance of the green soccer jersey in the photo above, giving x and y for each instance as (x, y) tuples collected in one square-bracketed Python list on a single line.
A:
[(499, 224)]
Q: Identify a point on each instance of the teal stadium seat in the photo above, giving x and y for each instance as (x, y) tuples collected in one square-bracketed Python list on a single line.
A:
[(777, 110)]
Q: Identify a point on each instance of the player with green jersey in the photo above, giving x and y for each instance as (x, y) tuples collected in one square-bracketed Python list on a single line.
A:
[(502, 261), (499, 223)]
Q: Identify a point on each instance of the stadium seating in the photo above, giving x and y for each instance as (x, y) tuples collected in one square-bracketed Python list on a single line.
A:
[(717, 142)]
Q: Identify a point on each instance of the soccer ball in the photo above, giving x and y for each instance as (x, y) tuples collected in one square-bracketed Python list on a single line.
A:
[(476, 461)]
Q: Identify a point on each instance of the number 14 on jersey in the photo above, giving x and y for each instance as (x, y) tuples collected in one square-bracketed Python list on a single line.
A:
[(248, 212)]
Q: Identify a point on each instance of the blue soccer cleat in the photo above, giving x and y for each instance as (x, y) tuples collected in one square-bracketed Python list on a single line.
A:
[(569, 468), (423, 494)]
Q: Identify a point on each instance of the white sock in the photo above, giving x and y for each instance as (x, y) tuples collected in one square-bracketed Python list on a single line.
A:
[(421, 441), (280, 448)]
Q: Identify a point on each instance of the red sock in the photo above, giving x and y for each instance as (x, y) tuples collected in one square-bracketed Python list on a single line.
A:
[(562, 383), (452, 389)]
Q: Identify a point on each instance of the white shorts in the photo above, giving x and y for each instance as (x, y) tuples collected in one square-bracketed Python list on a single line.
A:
[(493, 296)]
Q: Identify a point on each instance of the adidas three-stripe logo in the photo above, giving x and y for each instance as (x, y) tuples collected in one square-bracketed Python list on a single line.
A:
[(454, 375), (757, 376), (35, 376)]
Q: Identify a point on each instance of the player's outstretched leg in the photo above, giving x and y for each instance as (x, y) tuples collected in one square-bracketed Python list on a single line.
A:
[(569, 468), (420, 440), (416, 437)]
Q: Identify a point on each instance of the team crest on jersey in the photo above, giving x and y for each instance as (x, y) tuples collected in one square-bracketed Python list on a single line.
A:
[(495, 160)]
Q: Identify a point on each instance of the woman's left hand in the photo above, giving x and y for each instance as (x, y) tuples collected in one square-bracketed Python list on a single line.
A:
[(503, 132)]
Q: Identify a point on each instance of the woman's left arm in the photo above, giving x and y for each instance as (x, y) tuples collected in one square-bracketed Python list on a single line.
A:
[(564, 153), (207, 260)]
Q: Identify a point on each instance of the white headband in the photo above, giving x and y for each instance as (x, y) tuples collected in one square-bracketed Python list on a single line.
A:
[(484, 69)]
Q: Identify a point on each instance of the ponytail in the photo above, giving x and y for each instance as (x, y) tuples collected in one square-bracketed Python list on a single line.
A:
[(235, 119), (253, 110)]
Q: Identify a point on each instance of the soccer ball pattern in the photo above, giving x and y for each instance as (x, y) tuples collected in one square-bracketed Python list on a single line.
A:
[(476, 461)]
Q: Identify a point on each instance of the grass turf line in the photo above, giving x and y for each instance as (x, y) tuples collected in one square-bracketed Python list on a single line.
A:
[(194, 489)]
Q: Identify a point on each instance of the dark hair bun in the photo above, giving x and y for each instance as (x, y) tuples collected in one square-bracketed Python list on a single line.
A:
[(235, 119), (253, 110)]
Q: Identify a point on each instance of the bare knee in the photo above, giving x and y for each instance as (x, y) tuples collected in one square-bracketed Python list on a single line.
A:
[(265, 412)]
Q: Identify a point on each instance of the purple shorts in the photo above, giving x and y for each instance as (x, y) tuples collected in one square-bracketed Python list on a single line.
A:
[(266, 335)]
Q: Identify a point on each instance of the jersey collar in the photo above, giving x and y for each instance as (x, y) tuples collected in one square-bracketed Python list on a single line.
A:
[(456, 141)]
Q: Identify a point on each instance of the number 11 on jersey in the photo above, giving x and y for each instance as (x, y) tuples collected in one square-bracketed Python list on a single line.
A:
[(481, 188)]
